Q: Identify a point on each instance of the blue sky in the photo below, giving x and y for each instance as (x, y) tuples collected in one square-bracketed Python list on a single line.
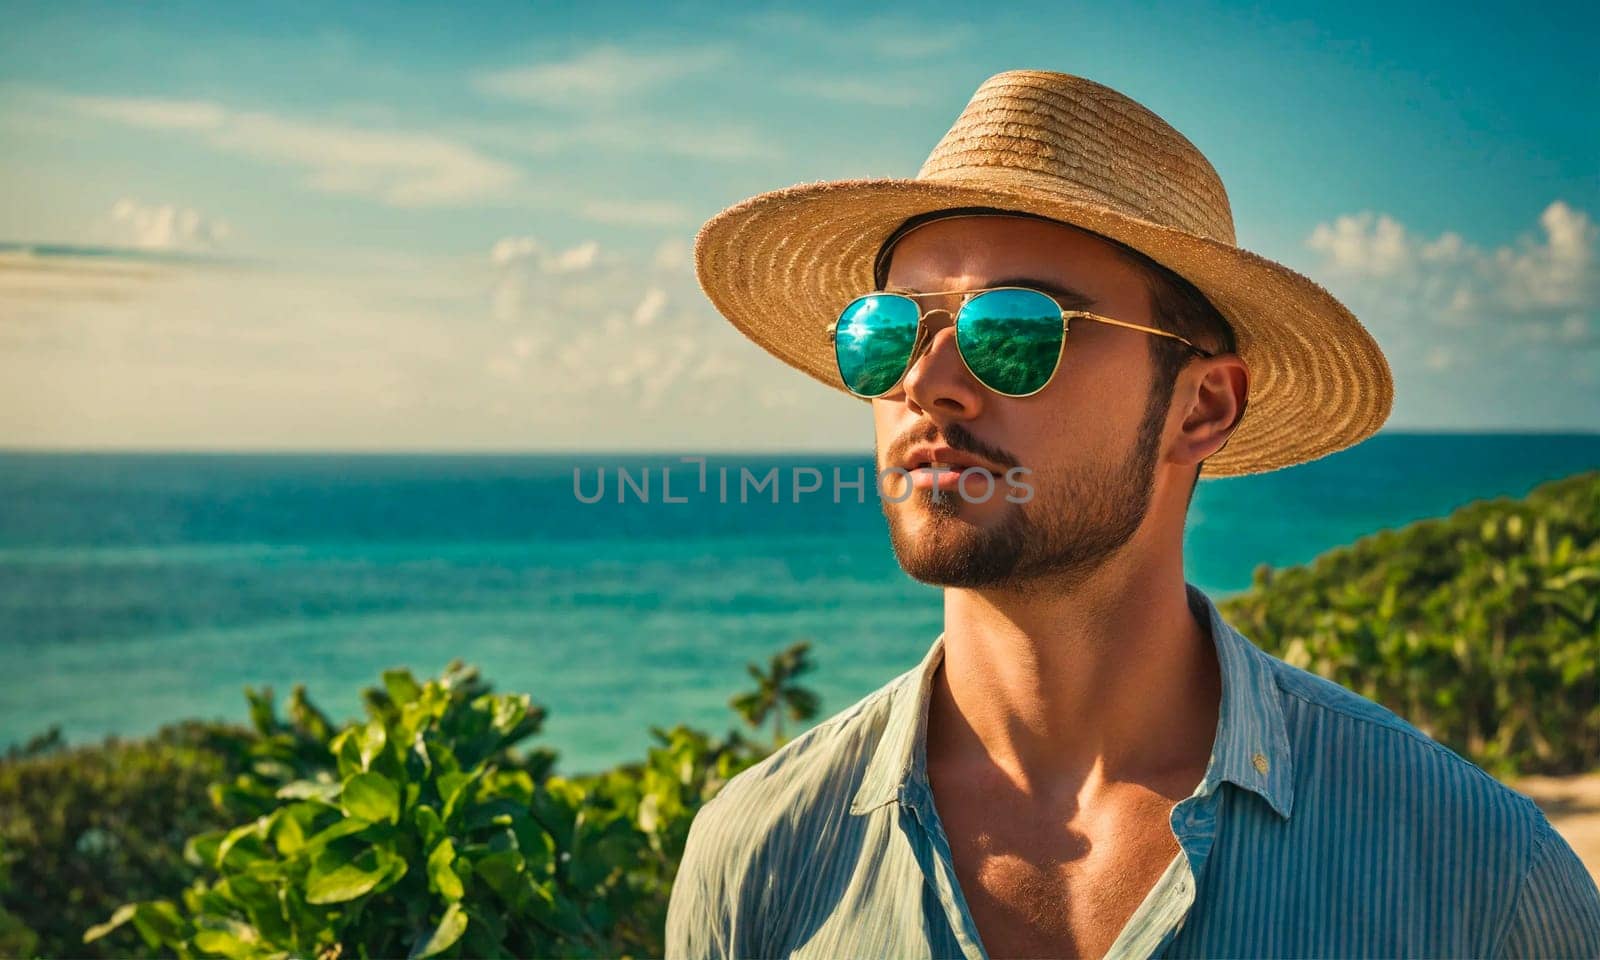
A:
[(466, 226)]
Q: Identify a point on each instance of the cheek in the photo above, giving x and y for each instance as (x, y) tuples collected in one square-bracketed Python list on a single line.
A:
[(1045, 443), (1103, 390), (886, 425)]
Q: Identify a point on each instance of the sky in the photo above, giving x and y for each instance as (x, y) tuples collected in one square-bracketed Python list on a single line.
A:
[(469, 227)]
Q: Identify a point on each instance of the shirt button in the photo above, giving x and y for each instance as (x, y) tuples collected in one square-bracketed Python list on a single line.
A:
[(1260, 760)]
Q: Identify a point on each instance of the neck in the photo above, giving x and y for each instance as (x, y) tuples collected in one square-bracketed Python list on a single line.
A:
[(1070, 688)]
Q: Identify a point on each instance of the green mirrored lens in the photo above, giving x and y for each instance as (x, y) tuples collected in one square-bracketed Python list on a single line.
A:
[(873, 341), (1011, 339)]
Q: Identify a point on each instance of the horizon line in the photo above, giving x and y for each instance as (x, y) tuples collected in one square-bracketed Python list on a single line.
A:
[(642, 452)]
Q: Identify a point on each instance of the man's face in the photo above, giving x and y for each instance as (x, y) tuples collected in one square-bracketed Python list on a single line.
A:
[(1091, 438)]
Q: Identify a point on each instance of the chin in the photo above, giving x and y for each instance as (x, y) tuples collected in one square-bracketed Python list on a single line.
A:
[(956, 544)]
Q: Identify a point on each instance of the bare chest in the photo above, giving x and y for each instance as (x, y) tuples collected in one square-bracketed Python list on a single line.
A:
[(1042, 885)]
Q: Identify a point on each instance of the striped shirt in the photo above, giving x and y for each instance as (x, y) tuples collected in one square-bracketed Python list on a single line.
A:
[(1325, 826)]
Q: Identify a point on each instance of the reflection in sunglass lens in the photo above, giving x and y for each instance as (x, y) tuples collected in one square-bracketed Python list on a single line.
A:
[(1011, 339), (873, 341)]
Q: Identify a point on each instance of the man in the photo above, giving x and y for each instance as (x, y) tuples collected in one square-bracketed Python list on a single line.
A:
[(1089, 761)]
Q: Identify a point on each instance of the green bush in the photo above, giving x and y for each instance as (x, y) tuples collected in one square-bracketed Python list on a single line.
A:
[(1480, 628), (85, 829), (424, 831)]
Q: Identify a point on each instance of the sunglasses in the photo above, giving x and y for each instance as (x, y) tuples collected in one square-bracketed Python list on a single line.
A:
[(1010, 338)]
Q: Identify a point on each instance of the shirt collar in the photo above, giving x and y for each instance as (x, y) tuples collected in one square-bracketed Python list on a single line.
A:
[(1251, 747)]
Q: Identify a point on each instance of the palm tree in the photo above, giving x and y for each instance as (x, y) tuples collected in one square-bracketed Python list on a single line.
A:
[(777, 692)]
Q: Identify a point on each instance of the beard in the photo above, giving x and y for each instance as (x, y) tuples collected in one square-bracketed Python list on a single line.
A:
[(1070, 527)]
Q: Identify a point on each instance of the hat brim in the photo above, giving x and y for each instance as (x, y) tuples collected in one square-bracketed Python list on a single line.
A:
[(780, 267)]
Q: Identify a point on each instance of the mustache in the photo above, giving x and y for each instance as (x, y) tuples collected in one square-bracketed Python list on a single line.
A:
[(955, 437)]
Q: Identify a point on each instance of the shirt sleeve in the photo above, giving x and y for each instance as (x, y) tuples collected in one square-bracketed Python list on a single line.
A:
[(700, 909), (1557, 913)]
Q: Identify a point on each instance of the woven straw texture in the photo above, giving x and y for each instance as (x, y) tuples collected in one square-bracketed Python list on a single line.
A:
[(782, 265)]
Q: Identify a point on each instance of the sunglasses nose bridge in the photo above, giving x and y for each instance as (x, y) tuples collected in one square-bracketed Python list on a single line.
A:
[(928, 330)]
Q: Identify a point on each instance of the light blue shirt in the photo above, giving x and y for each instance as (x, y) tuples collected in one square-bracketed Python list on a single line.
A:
[(1325, 826)]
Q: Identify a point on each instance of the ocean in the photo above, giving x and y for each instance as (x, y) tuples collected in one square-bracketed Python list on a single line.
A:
[(140, 588)]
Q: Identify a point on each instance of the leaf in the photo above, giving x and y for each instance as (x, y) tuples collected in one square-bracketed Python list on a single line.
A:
[(343, 828), (327, 791), (373, 739), (459, 790), (509, 711), (256, 828), (201, 849), (427, 821), (262, 716), (162, 918), (229, 938), (122, 915), (336, 878), (402, 687), (347, 751), (305, 715), (440, 875), (451, 926), (504, 872), (371, 796)]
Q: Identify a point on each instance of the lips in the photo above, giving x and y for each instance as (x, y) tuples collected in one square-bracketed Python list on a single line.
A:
[(946, 458)]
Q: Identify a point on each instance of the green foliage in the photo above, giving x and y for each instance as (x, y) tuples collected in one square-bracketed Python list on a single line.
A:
[(83, 830), (424, 830), (1480, 628), (777, 692)]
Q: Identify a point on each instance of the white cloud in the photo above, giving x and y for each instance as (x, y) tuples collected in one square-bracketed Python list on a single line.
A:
[(1363, 243), (399, 168), (1554, 270), (639, 213), (161, 227), (606, 72), (1559, 272), (1477, 337), (650, 307), (378, 352), (580, 257), (626, 329), (514, 251), (638, 134), (519, 261), (1570, 330), (672, 254), (155, 114)]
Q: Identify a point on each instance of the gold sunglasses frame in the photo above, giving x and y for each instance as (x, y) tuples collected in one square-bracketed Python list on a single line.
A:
[(1067, 316)]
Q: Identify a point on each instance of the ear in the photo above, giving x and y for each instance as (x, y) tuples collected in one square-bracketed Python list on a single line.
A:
[(1217, 390)]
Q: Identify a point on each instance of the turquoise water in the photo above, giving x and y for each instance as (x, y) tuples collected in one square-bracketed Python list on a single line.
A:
[(140, 588)]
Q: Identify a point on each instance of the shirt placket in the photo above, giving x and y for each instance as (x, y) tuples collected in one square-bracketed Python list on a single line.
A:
[(1194, 823), (932, 850)]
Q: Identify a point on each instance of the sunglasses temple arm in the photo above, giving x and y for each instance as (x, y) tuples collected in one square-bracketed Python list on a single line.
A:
[(1066, 318)]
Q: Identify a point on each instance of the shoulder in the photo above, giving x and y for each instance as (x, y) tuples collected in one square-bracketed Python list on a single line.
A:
[(800, 789), (767, 824), (1323, 715), (810, 773), (1351, 751), (1366, 776)]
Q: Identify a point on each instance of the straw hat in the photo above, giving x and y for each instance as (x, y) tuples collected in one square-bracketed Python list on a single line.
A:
[(782, 265)]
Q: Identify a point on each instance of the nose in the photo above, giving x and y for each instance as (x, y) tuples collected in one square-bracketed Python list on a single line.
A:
[(938, 382)]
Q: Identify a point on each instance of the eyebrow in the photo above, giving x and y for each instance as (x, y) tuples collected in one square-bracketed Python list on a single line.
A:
[(1069, 298)]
